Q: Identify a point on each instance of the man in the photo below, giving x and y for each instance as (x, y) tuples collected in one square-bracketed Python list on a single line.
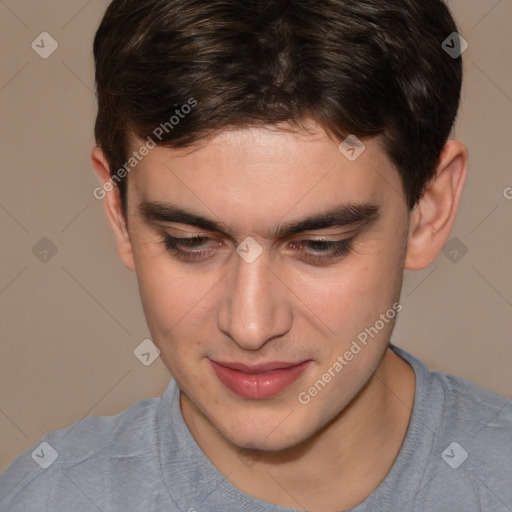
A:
[(269, 169)]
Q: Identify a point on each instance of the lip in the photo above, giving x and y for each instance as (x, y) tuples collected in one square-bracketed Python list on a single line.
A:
[(260, 381)]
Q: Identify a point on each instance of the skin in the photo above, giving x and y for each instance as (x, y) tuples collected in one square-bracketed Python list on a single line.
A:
[(331, 453)]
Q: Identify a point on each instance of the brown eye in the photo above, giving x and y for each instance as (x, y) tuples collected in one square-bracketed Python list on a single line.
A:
[(323, 251), (187, 248)]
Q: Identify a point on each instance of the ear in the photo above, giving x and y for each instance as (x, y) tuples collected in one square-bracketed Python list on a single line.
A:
[(113, 208), (432, 218)]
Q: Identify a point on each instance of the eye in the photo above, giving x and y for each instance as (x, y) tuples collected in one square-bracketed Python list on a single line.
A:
[(312, 251), (324, 251), (187, 248)]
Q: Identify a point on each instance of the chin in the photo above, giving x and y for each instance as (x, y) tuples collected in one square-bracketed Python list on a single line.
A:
[(264, 435), (262, 444)]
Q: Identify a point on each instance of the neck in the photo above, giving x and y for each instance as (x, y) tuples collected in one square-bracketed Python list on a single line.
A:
[(340, 465)]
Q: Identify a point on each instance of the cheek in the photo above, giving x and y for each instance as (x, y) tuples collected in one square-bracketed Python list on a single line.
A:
[(357, 291), (176, 304), (351, 297), (169, 304), (378, 273), (165, 292)]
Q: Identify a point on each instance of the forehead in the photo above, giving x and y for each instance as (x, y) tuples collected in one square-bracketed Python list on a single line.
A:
[(265, 172)]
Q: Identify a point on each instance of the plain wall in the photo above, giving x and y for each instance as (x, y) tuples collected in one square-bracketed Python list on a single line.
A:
[(69, 325)]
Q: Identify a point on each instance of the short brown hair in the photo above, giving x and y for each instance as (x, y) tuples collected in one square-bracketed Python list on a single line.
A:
[(363, 67)]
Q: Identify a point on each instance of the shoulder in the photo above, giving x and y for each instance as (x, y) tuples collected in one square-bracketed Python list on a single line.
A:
[(452, 404), (481, 417), (475, 410), (461, 437), (473, 439), (49, 466)]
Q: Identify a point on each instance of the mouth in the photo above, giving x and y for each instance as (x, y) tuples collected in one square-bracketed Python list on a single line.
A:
[(261, 381)]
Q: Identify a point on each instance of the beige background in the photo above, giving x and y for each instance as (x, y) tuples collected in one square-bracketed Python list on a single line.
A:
[(69, 326)]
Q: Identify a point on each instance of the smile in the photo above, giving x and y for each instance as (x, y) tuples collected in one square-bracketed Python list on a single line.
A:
[(259, 381)]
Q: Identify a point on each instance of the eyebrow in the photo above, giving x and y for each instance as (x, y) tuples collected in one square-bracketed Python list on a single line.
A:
[(341, 215)]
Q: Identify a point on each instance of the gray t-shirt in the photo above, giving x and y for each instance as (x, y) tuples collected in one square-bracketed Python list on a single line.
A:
[(456, 456)]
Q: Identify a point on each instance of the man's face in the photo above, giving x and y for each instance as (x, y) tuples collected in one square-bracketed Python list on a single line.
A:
[(287, 305)]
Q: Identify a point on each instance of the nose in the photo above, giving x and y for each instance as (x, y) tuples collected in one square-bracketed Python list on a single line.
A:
[(254, 309)]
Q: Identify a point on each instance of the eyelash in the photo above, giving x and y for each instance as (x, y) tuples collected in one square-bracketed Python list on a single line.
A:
[(339, 248)]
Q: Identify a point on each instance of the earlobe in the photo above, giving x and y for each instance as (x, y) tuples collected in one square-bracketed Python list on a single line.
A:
[(433, 217), (113, 208)]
